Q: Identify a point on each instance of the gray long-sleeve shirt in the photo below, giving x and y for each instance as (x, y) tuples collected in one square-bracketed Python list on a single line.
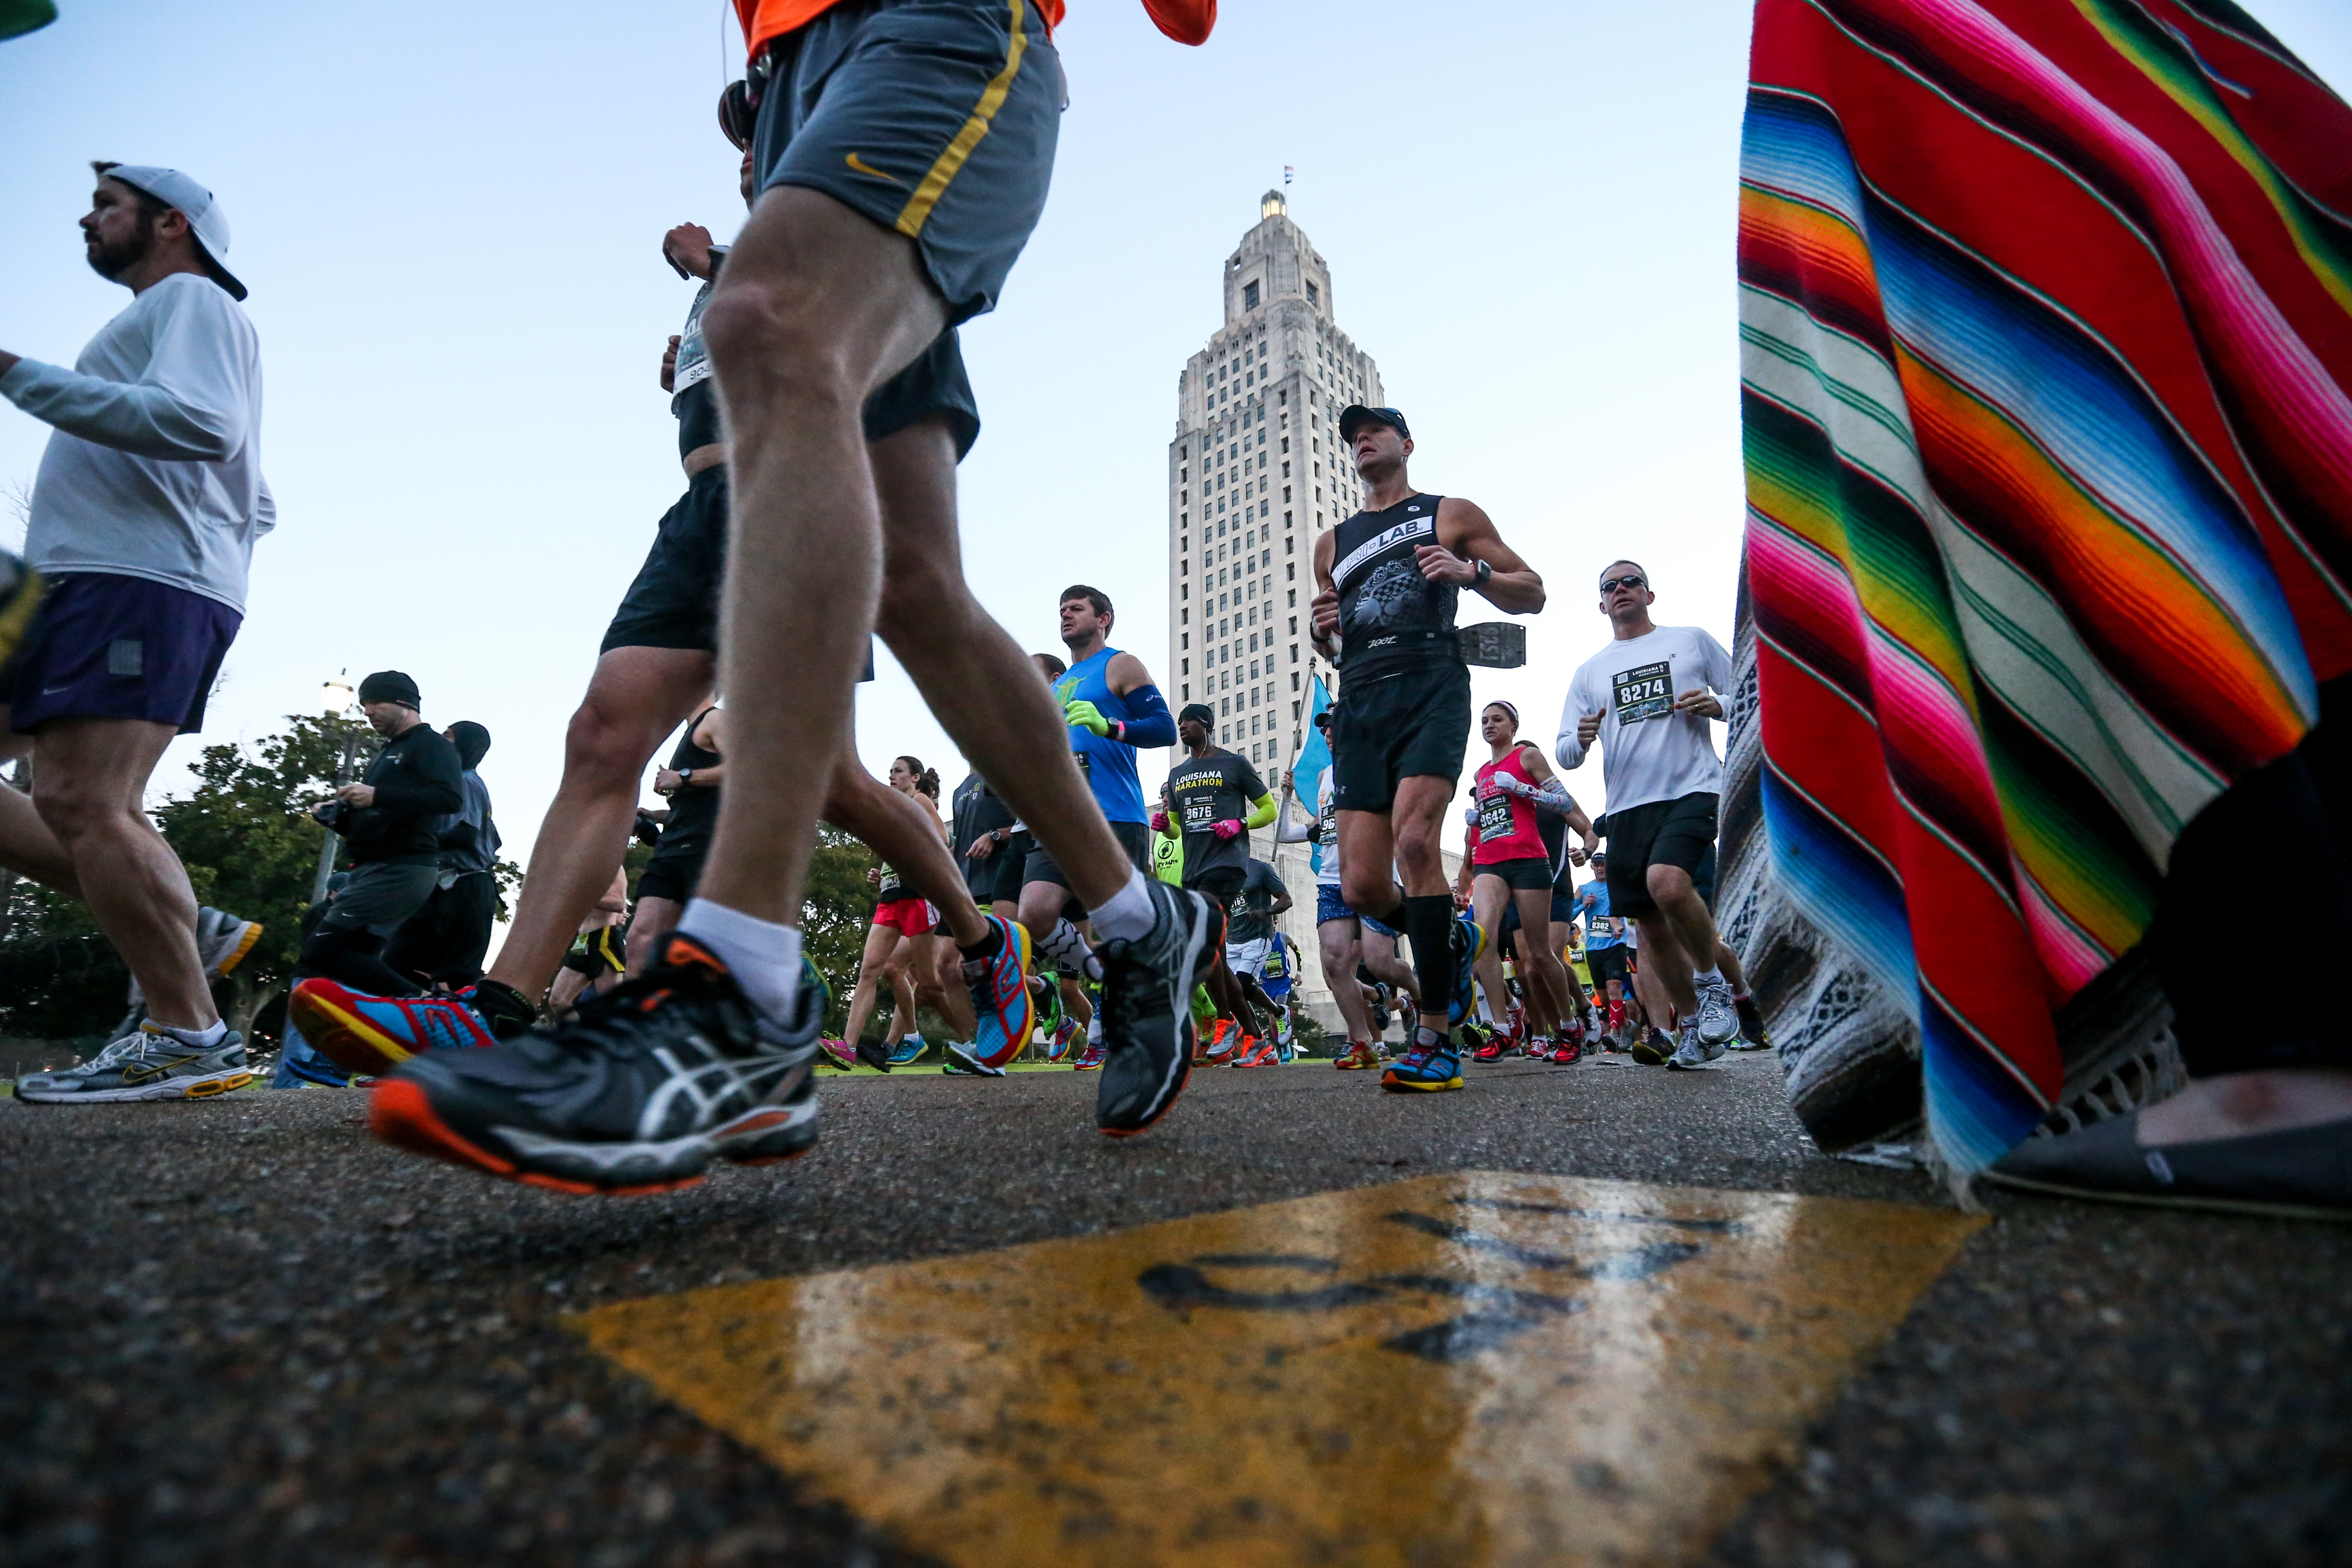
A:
[(154, 468)]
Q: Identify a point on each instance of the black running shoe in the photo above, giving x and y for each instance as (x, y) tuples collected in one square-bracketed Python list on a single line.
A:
[(1146, 1010), (1752, 1036), (639, 1093)]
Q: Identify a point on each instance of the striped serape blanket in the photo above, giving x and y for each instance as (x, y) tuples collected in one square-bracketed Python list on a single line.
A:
[(2046, 322)]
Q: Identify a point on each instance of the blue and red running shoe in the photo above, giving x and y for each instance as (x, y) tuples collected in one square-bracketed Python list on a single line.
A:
[(371, 1035), (1000, 994), (1424, 1069)]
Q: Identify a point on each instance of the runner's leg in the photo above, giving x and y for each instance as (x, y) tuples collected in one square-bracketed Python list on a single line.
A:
[(937, 970), (873, 964), (901, 831), (27, 847), (1683, 919), (978, 682), (1338, 943), (1380, 951), (1409, 832), (89, 786), (1547, 978), (636, 697), (902, 992), (817, 307), (1488, 895), (650, 920)]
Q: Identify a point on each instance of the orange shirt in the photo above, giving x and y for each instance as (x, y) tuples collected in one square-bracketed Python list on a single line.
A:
[(1186, 21)]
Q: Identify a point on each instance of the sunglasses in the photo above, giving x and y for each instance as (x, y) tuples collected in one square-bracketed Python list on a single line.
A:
[(1611, 584)]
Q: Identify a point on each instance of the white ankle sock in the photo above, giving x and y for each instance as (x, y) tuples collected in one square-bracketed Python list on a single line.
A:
[(1711, 976), (203, 1039), (1128, 916), (764, 956)]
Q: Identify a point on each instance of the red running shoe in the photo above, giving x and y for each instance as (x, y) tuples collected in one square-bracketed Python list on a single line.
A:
[(1356, 1058), (1566, 1053), (1491, 1051)]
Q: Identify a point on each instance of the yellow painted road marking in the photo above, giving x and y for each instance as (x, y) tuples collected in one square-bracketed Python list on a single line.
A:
[(1467, 1369)]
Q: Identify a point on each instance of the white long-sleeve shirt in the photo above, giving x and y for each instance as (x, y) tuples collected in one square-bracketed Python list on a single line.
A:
[(154, 466), (1648, 752)]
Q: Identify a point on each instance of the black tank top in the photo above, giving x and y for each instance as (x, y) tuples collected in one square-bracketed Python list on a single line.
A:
[(1392, 618), (693, 808)]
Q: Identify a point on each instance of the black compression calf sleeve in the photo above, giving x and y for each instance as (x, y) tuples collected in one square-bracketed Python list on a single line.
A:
[(356, 958), (1429, 926)]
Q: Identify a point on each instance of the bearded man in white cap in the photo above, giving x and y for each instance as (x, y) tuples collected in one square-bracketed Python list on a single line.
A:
[(149, 499)]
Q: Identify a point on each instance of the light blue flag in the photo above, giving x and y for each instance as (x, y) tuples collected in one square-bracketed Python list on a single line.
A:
[(1313, 758)]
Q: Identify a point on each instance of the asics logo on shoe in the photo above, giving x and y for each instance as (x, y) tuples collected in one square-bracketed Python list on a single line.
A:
[(707, 1088)]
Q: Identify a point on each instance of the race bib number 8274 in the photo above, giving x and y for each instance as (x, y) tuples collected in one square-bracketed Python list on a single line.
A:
[(1646, 692)]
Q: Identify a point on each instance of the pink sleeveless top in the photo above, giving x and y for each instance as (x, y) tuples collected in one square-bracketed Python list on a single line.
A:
[(1507, 825)]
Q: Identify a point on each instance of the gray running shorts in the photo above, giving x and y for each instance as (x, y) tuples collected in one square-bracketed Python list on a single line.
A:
[(936, 118)]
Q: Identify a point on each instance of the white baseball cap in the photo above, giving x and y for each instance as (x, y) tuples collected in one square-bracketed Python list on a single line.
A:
[(174, 189)]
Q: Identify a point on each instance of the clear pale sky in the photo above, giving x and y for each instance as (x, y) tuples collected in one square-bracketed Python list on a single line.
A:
[(449, 218)]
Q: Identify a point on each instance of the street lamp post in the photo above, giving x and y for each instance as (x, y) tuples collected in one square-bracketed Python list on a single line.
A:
[(335, 699)]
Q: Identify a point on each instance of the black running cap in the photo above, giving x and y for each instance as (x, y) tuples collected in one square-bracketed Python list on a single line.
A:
[(1323, 719), (389, 685), (1356, 413), (1200, 710)]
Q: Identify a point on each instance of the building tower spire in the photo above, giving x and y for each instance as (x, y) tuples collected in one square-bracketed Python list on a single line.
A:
[(1254, 474)]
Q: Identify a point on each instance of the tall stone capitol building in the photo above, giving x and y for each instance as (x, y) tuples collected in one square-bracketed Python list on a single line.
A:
[(1255, 473)]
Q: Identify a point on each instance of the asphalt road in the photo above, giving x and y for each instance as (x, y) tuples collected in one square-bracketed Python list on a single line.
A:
[(242, 1332)]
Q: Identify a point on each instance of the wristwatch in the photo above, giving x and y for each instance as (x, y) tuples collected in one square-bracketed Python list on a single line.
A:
[(685, 776), (1484, 572)]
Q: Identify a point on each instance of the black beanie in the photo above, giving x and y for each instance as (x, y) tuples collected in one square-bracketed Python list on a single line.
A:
[(1200, 710), (389, 685), (472, 740)]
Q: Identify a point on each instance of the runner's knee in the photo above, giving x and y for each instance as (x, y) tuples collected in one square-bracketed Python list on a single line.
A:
[(1667, 882), (73, 814), (1366, 891), (1417, 844), (922, 594), (605, 748), (776, 336)]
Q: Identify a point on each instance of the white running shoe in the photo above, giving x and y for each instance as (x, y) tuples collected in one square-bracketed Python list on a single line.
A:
[(1718, 1019), (146, 1064), (1695, 1050)]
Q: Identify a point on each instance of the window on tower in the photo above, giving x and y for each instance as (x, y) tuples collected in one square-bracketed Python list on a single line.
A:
[(1312, 297), (1249, 296)]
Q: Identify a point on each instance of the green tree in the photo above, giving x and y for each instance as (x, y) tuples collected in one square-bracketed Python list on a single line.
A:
[(837, 907)]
